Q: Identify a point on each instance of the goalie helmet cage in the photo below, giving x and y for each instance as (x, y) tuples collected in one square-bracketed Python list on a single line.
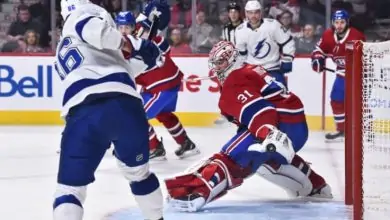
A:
[(367, 130)]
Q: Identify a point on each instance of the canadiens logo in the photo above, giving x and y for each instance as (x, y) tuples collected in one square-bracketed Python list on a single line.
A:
[(339, 61)]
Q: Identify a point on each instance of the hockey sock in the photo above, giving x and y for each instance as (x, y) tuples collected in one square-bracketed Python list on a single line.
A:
[(302, 165), (175, 128), (153, 140), (148, 195), (68, 203), (338, 114)]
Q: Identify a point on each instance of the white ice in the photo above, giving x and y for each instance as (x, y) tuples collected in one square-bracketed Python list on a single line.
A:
[(28, 165)]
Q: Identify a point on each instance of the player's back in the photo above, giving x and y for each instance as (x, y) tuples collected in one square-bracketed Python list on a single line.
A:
[(83, 63), (249, 83)]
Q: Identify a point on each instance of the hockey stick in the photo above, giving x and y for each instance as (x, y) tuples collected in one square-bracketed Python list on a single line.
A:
[(334, 71), (154, 28)]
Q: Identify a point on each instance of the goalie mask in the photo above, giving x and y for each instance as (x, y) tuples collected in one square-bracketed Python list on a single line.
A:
[(222, 59)]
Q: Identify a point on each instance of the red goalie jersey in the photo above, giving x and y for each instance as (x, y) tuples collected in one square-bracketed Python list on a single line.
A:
[(161, 78), (253, 98), (332, 47)]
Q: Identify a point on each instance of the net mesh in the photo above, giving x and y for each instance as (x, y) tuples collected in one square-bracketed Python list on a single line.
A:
[(376, 130)]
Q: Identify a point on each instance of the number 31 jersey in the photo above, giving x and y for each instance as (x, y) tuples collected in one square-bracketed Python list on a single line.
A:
[(89, 60), (253, 98), (268, 45)]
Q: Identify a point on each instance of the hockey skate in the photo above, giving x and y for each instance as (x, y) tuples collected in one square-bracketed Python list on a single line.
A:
[(158, 154), (335, 137), (323, 192), (187, 149), (221, 120)]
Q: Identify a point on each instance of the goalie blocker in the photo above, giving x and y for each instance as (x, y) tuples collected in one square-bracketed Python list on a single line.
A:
[(272, 129)]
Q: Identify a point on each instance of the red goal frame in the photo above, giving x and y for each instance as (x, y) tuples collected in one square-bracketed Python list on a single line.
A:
[(353, 128)]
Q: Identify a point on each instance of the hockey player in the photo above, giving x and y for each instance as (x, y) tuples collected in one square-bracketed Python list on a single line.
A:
[(265, 42), (332, 45), (101, 106), (160, 88), (274, 128)]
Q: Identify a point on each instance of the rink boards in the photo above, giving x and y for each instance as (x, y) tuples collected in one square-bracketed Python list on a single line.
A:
[(31, 93)]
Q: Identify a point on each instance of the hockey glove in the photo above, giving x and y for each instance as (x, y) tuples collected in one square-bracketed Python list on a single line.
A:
[(318, 63)]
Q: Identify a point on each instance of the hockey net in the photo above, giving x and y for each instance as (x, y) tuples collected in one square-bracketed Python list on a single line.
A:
[(367, 141)]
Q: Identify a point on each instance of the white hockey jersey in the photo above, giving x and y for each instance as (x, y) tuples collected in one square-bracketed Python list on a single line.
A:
[(89, 60), (268, 45)]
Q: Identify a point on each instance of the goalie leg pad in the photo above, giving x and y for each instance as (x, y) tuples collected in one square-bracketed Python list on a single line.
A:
[(191, 191), (288, 177), (297, 178)]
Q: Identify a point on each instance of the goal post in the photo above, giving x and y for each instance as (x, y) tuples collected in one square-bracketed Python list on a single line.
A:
[(367, 127)]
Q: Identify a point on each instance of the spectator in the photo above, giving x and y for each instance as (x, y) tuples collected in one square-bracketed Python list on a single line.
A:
[(291, 6), (40, 12), (113, 7), (24, 22), (285, 18), (212, 11), (312, 11), (307, 43), (177, 45), (199, 32), (181, 15), (31, 39)]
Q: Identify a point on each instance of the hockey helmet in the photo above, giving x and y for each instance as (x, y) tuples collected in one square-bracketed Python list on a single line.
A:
[(252, 5), (67, 6), (222, 58), (340, 15), (233, 6), (125, 18)]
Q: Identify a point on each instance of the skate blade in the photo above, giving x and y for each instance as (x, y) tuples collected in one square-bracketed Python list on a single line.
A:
[(338, 140), (162, 158), (189, 153), (186, 205)]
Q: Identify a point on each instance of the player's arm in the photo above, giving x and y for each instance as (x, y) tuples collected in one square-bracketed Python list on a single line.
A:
[(287, 47), (321, 51), (248, 105), (162, 44), (147, 51)]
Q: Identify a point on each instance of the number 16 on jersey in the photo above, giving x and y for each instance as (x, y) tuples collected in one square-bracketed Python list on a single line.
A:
[(68, 57)]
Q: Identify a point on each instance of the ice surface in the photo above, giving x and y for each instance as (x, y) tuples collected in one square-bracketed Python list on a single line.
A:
[(28, 165)]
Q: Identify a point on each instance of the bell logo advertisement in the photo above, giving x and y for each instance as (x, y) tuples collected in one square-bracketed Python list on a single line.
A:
[(37, 84)]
